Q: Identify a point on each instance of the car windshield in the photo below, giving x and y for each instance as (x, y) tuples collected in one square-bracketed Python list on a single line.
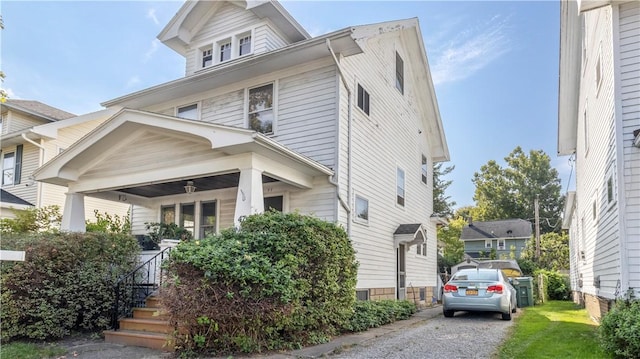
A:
[(476, 275)]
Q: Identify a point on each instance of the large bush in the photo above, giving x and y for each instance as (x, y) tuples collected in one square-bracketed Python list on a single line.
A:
[(372, 314), (65, 283), (619, 330), (280, 281), (556, 286)]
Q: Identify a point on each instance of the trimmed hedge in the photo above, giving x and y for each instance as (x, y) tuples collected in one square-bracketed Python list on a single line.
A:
[(372, 314), (279, 282), (65, 283), (619, 330)]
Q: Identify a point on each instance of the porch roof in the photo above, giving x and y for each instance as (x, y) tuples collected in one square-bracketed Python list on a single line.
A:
[(147, 154)]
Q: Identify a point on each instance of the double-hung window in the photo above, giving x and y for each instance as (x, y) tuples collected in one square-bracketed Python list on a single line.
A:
[(501, 245), (188, 216), (487, 243), (168, 214), (207, 219), (400, 193), (224, 50), (363, 99), (207, 57), (261, 116), (244, 42), (12, 167)]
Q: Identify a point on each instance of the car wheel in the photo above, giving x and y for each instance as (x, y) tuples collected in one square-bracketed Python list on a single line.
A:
[(448, 313), (514, 309), (506, 316)]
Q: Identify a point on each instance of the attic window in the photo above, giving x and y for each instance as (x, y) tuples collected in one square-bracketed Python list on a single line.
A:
[(207, 57), (224, 50), (244, 42), (399, 73)]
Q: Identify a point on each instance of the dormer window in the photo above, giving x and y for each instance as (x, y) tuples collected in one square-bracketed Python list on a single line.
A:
[(244, 44), (224, 50), (207, 57)]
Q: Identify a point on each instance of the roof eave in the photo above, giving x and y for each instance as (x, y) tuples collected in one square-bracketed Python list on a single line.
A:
[(569, 78)]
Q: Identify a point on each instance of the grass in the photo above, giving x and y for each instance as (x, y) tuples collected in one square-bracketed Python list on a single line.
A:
[(21, 350), (555, 329)]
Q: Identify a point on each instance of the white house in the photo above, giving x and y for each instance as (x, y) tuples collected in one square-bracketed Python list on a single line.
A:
[(344, 126), (32, 134), (598, 124)]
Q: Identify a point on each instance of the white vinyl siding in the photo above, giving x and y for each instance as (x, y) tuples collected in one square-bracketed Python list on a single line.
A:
[(629, 43)]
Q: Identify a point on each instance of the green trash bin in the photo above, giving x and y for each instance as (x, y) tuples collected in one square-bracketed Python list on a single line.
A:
[(524, 287)]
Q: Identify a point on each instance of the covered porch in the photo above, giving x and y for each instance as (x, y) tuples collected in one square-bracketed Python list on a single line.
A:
[(199, 175)]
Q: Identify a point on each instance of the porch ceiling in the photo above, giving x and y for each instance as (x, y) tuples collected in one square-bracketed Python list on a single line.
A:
[(208, 183)]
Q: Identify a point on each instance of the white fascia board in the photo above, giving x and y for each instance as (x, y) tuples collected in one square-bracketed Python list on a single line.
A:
[(569, 207), (586, 5), (569, 80), (50, 130)]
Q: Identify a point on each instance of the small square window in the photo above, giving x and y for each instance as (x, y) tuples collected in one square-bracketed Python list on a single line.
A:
[(189, 112), (261, 115), (362, 209), (362, 294), (363, 99)]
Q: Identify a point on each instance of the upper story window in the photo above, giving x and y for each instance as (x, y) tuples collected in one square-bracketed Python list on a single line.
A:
[(399, 73), (487, 243), (424, 169), (362, 209), (261, 116), (400, 193), (599, 70), (501, 244), (12, 167), (244, 44), (207, 57), (224, 50), (189, 112), (363, 99)]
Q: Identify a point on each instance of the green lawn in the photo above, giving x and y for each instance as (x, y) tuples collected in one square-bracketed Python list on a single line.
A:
[(19, 350), (555, 329)]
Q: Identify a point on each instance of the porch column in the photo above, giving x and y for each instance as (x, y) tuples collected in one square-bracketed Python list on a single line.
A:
[(73, 216), (250, 199)]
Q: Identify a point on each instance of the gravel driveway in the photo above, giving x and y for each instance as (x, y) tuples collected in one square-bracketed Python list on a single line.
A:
[(467, 335)]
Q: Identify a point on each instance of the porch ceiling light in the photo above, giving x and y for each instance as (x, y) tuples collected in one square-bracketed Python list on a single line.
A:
[(189, 188)]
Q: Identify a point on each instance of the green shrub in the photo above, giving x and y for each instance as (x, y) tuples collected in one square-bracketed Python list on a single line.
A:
[(372, 314), (64, 284), (556, 285), (280, 281), (109, 223), (619, 330), (32, 220)]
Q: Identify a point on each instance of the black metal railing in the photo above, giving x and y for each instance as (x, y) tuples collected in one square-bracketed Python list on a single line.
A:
[(132, 289)]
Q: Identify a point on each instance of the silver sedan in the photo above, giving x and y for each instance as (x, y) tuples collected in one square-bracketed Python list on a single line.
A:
[(480, 290)]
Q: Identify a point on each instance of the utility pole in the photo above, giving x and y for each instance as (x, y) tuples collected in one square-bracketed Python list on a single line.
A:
[(537, 218)]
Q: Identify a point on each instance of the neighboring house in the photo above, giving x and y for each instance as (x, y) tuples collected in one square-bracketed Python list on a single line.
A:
[(598, 124), (343, 126), (32, 134), (507, 237)]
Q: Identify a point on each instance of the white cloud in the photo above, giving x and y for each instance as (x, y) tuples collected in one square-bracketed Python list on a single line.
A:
[(151, 14), (470, 50), (133, 81), (155, 44)]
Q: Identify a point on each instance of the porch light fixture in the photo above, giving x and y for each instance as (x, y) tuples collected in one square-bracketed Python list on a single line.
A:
[(189, 188)]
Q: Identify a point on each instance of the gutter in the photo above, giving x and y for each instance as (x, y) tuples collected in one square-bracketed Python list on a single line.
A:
[(332, 180)]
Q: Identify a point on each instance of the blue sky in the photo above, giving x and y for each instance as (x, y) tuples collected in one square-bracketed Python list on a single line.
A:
[(494, 64)]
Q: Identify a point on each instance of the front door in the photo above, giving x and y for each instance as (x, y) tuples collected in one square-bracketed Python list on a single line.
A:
[(401, 271)]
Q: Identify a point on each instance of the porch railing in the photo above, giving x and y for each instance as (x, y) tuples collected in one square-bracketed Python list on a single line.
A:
[(131, 290)]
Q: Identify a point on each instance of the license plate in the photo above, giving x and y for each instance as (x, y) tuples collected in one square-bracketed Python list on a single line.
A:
[(471, 292)]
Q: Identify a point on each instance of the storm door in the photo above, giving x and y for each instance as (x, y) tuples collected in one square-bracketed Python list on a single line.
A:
[(401, 252)]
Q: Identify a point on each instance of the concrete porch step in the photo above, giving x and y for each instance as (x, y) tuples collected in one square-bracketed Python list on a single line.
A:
[(156, 341), (145, 325)]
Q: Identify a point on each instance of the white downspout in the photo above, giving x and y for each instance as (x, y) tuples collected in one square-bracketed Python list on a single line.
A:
[(40, 163), (345, 204)]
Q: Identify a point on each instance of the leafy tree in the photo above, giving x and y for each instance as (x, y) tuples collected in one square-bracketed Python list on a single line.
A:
[(33, 220), (451, 246), (554, 251), (510, 192), (441, 202)]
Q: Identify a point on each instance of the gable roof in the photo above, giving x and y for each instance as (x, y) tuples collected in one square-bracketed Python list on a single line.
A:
[(39, 109), (507, 228), (193, 15)]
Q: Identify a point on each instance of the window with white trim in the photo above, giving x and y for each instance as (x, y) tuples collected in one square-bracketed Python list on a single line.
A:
[(168, 214), (501, 244), (224, 50), (400, 192), (244, 44), (260, 112), (362, 209), (424, 169), (189, 112), (12, 167), (585, 125), (207, 56), (488, 243), (363, 99), (611, 187), (188, 217), (207, 219), (421, 249), (599, 70)]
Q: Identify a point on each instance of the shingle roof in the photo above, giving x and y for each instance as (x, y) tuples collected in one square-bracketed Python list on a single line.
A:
[(516, 228), (407, 228), (40, 108), (7, 197)]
